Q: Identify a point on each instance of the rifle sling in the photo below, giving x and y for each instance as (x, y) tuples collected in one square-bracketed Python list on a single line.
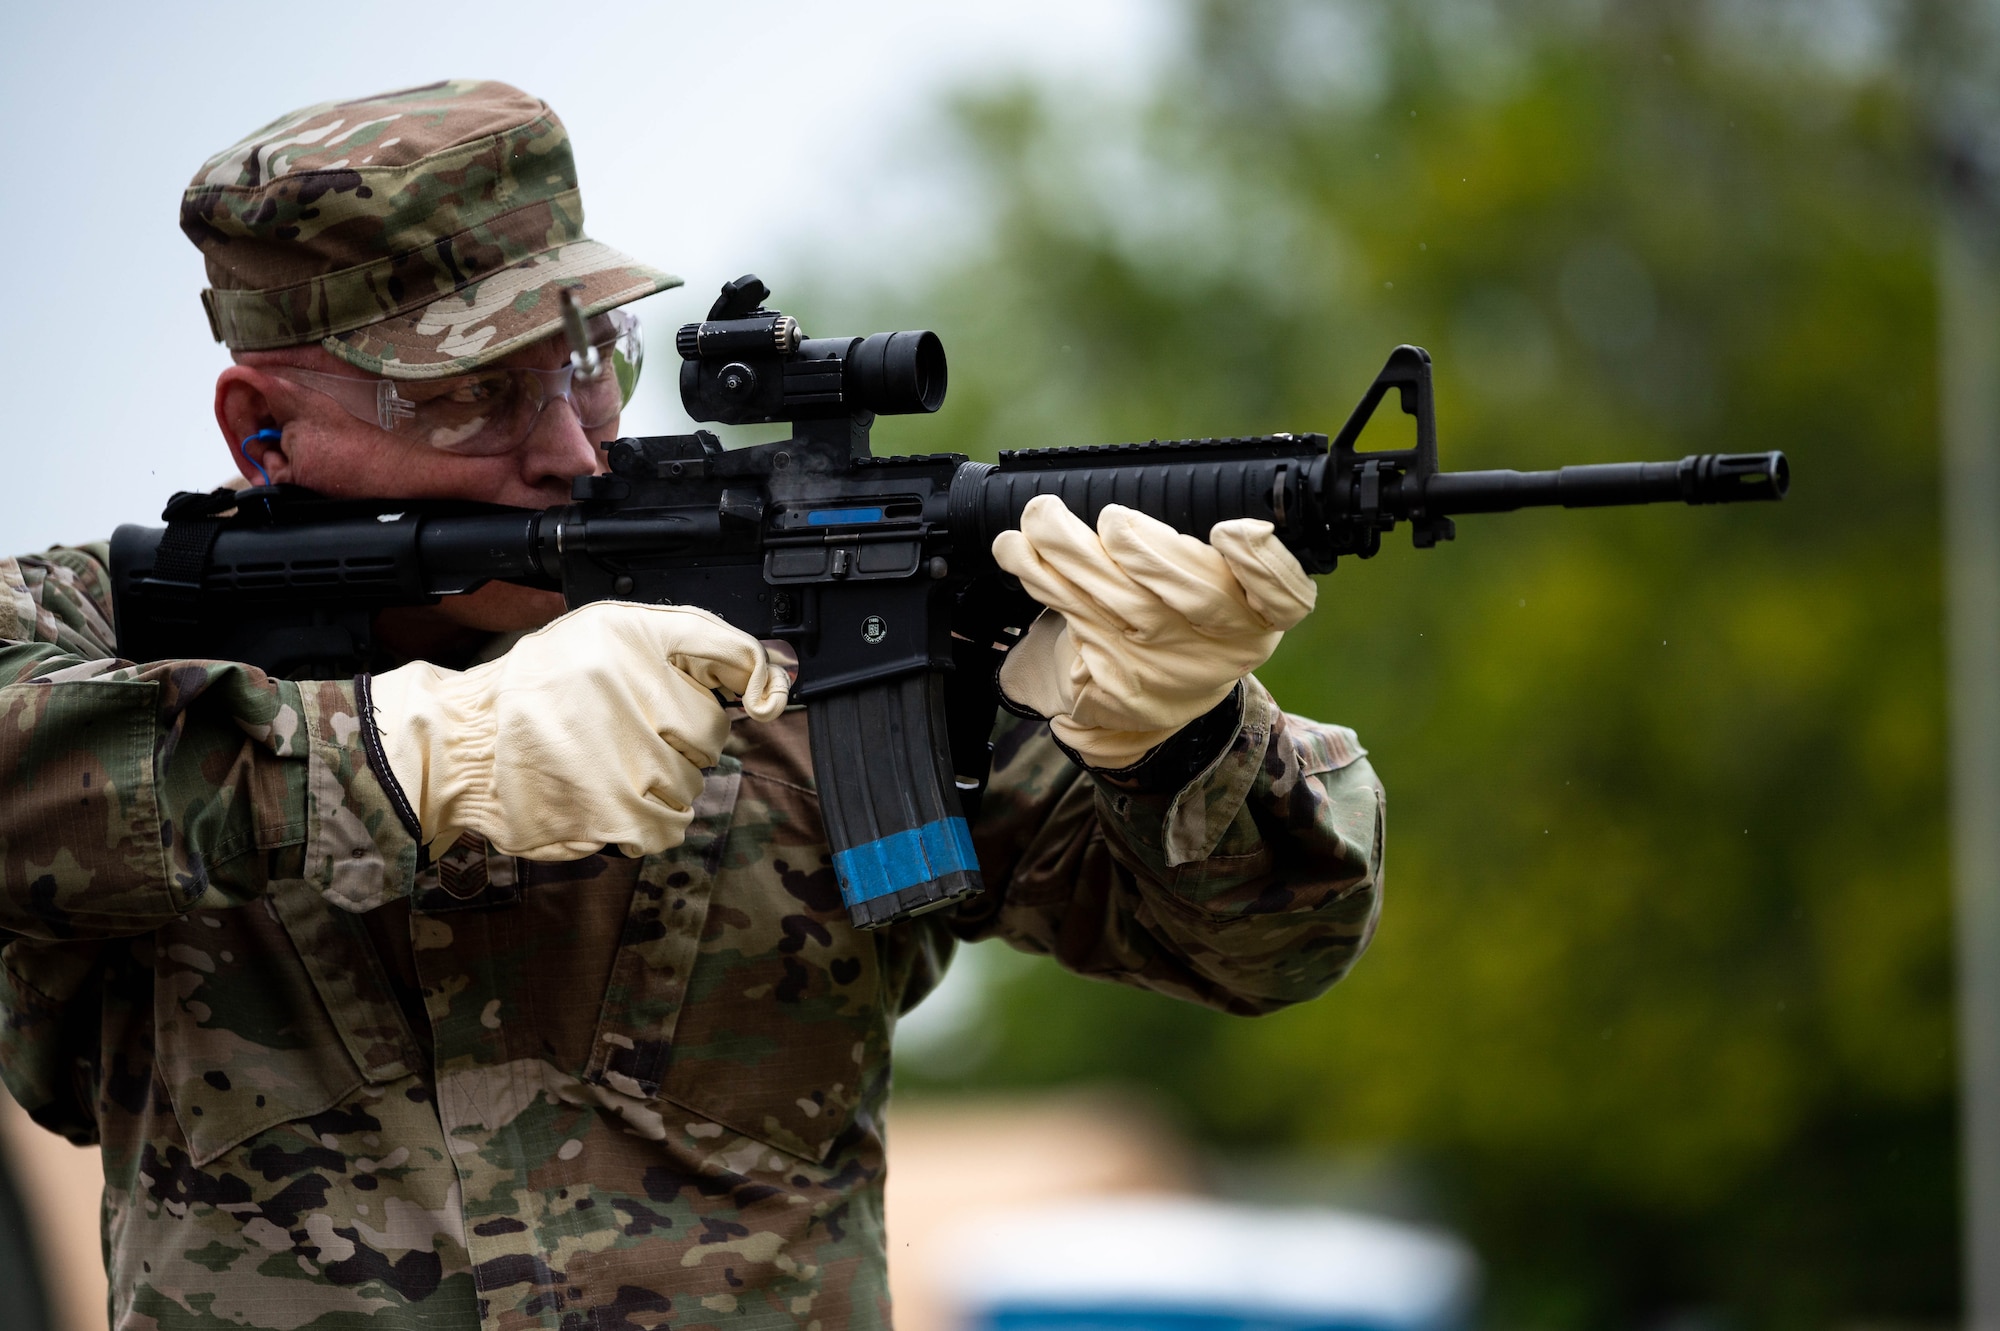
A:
[(194, 522)]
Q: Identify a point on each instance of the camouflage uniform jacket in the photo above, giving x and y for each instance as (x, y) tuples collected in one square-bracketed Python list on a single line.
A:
[(605, 1094)]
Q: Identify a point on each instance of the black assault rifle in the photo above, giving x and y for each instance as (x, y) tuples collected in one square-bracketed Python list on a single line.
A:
[(877, 570)]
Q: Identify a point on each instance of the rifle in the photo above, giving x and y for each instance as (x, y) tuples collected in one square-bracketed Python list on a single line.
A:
[(876, 570)]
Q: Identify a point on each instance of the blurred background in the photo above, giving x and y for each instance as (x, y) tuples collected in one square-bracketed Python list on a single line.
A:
[(1658, 1029)]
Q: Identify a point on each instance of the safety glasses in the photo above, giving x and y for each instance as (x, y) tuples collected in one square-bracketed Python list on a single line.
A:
[(491, 411)]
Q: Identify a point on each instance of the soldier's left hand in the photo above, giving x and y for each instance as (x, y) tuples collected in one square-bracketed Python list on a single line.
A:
[(1145, 629)]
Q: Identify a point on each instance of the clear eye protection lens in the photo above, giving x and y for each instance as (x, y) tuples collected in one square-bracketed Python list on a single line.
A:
[(628, 354), (621, 351), (491, 411)]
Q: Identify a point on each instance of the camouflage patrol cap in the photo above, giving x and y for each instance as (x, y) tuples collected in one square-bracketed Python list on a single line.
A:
[(415, 234)]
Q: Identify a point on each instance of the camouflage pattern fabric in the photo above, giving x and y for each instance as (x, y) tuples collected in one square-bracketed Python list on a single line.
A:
[(415, 234), (333, 1092)]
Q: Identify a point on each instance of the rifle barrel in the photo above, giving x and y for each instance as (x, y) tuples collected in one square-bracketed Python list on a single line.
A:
[(1706, 478)]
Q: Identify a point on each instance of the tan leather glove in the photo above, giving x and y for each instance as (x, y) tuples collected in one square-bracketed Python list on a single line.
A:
[(592, 731), (1145, 629)]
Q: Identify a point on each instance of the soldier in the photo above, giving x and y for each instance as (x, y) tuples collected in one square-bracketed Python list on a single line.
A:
[(333, 972)]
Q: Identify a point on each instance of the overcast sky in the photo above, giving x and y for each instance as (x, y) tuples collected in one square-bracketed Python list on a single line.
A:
[(711, 139)]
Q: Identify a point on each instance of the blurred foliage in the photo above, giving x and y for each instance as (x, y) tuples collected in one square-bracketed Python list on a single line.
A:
[(1661, 993)]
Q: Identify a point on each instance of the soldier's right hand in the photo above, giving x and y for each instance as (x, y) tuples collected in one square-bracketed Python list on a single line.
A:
[(592, 731)]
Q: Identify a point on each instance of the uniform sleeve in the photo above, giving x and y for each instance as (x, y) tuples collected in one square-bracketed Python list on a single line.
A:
[(1254, 886), (131, 794)]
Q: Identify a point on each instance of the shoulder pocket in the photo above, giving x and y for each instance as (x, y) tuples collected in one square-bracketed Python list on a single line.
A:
[(648, 988), (244, 1016), (784, 1025)]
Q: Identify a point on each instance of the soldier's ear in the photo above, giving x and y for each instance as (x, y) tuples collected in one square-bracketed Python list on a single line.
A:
[(251, 409)]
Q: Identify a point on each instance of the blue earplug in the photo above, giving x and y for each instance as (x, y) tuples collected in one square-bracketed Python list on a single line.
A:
[(261, 437)]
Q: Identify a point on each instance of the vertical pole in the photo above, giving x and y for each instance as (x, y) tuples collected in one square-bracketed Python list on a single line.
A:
[(1969, 370)]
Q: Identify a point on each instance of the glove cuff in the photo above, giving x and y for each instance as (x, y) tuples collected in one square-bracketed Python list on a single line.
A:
[(1177, 760), (435, 740), (378, 760)]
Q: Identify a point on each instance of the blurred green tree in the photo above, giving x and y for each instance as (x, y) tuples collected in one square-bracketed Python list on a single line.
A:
[(1661, 996)]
